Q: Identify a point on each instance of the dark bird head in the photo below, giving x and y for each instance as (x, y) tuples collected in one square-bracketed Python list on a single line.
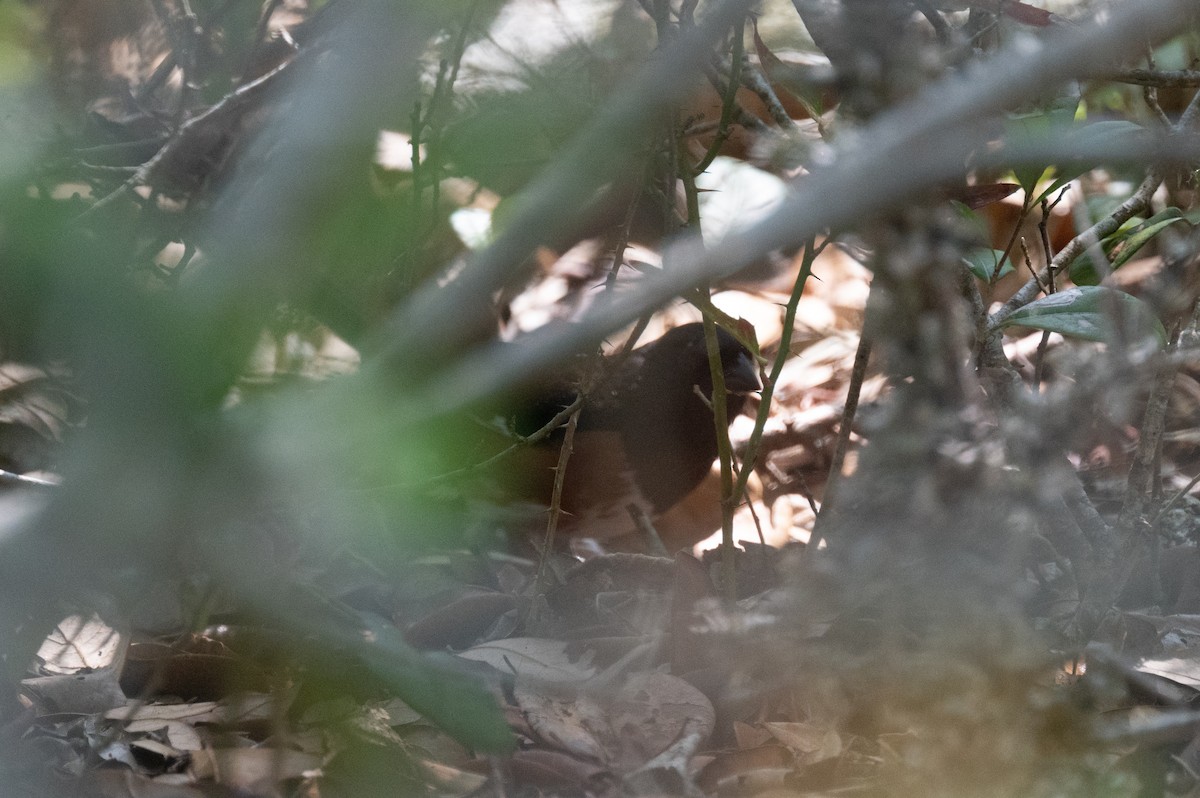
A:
[(679, 360)]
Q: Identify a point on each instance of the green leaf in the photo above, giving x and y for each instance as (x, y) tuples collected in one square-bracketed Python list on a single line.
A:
[(1095, 134), (1087, 312), (971, 217), (1039, 124), (1121, 246), (1139, 236), (1083, 269), (982, 263), (1059, 123)]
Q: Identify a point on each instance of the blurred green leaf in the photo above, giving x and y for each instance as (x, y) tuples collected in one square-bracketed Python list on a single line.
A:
[(452, 699), (1040, 124), (982, 263), (1087, 312), (971, 216), (1060, 121), (1095, 134), (18, 42)]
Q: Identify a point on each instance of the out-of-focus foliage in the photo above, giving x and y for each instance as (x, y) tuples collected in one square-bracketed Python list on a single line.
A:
[(263, 356)]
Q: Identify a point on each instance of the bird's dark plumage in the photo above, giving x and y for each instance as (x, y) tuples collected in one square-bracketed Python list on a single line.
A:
[(645, 436)]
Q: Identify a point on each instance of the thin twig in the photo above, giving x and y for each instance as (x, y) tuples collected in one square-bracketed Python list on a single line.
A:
[(753, 513), (1012, 239), (754, 80), (1047, 257), (858, 375), (1150, 95), (228, 104), (1170, 79), (545, 431), (1176, 499), (645, 527), (729, 102), (560, 476)]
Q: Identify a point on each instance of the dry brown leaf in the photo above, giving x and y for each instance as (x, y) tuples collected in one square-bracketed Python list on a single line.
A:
[(810, 743), (533, 658), (252, 769), (625, 729)]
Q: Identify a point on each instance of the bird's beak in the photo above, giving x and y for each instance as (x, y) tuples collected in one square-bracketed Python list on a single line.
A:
[(742, 375)]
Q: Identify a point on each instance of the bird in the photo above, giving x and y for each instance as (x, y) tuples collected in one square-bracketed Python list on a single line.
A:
[(645, 436)]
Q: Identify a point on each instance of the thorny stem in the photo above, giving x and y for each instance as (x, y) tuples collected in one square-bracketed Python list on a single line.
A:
[(718, 401), (725, 454), (545, 431), (610, 282), (729, 99), (428, 172), (811, 251), (443, 92), (560, 474)]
